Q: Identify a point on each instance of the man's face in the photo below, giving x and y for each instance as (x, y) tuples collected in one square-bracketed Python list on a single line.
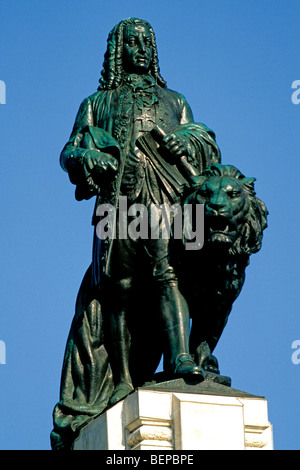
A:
[(137, 53)]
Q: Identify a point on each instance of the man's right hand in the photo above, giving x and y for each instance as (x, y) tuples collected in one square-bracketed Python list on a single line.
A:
[(97, 163)]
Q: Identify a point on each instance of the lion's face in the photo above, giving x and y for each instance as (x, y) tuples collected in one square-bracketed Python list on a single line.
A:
[(234, 217), (226, 205)]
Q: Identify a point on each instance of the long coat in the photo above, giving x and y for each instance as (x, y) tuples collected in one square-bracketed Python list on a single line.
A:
[(106, 118)]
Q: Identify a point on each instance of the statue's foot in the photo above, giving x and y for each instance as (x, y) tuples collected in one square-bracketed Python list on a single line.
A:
[(185, 367), (121, 391)]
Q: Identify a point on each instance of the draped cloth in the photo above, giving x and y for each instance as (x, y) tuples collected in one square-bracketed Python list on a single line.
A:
[(86, 382)]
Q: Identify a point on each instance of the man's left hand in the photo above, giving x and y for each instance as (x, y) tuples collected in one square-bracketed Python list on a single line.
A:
[(175, 145)]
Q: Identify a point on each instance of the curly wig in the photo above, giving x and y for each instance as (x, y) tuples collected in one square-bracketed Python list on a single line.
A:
[(113, 72)]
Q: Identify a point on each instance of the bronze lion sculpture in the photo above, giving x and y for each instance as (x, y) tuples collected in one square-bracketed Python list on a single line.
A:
[(212, 277)]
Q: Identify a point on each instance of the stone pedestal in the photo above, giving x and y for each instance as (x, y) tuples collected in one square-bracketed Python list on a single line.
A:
[(177, 416)]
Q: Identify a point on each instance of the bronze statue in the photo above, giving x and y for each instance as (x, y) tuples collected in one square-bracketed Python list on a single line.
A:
[(134, 141)]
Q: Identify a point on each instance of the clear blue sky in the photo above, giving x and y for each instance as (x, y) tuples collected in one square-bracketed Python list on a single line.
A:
[(235, 63)]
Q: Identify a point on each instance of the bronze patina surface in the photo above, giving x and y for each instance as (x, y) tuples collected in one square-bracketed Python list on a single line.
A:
[(135, 142)]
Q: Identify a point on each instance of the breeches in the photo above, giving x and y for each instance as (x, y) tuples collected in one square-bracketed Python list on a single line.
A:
[(141, 259), (146, 258)]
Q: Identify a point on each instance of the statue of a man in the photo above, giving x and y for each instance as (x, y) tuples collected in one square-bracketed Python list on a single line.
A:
[(135, 139)]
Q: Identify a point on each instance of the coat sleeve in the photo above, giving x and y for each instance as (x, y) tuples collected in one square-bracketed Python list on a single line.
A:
[(72, 155), (200, 141)]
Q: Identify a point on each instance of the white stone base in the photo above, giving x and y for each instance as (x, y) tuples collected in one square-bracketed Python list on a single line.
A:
[(171, 420)]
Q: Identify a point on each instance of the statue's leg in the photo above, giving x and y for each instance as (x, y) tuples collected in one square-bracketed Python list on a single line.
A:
[(119, 341), (174, 313), (207, 328), (117, 296)]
